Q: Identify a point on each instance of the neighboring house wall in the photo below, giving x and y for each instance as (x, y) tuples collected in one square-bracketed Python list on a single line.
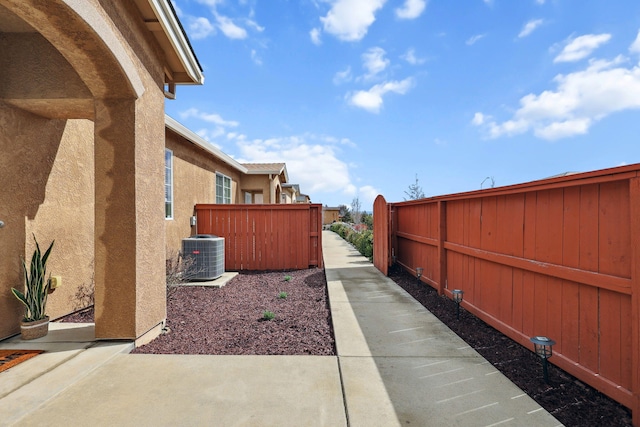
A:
[(194, 181), (330, 215), (259, 186)]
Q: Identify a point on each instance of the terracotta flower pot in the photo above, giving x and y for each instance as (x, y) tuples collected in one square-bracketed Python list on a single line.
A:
[(33, 330)]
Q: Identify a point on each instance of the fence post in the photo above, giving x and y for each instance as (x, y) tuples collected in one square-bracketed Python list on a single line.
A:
[(634, 196), (442, 255)]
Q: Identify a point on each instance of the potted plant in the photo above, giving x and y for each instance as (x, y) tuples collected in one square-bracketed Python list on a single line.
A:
[(35, 323)]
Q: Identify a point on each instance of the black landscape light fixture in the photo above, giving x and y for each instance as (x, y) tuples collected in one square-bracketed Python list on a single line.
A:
[(458, 295), (418, 273), (544, 348)]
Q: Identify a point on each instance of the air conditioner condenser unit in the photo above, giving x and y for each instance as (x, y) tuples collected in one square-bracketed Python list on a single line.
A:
[(207, 254)]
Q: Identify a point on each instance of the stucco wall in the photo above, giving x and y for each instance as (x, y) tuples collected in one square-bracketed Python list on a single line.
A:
[(28, 144), (194, 181), (101, 196), (66, 216), (255, 183)]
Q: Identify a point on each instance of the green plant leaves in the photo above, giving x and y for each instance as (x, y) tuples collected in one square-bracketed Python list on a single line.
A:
[(36, 291)]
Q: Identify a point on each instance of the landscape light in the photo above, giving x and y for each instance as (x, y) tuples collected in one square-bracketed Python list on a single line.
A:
[(418, 273), (458, 295), (543, 347)]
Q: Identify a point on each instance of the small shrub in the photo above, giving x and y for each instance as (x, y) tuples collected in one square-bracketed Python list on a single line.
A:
[(287, 278), (362, 241), (283, 295), (268, 315)]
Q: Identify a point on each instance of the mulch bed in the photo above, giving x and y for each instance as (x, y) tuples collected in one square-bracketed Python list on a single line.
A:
[(568, 399), (230, 320)]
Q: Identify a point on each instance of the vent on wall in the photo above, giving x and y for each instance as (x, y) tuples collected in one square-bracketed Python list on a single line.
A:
[(207, 253)]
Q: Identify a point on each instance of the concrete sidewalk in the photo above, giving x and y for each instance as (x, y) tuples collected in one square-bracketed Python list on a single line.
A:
[(401, 366), (396, 365)]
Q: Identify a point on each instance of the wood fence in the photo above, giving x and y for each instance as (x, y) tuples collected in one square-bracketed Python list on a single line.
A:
[(558, 257), (265, 237)]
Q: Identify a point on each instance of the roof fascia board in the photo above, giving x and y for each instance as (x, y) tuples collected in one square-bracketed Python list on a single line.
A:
[(172, 29), (190, 136)]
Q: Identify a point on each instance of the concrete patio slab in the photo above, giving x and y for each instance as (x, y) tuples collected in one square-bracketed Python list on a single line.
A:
[(170, 390)]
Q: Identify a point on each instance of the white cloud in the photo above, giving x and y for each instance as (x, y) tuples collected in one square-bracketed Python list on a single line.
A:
[(349, 20), (411, 9), (342, 76), (374, 62), (208, 117), (472, 40), (230, 29), (635, 46), (564, 129), (326, 173), (540, 1), (530, 27), (367, 195), (371, 100), (255, 58), (315, 36), (200, 27), (478, 119), (488, 2), (581, 47), (411, 57), (580, 99)]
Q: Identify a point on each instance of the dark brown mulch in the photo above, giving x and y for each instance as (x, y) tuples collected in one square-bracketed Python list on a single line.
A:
[(568, 399), (230, 320)]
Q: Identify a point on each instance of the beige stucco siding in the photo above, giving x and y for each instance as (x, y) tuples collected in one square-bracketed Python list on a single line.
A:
[(66, 215), (194, 181)]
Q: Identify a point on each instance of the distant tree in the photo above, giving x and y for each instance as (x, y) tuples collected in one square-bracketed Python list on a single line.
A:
[(415, 191), (493, 182), (356, 213), (345, 213), (367, 219)]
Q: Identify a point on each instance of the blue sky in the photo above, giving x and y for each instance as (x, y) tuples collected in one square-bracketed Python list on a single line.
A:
[(360, 96)]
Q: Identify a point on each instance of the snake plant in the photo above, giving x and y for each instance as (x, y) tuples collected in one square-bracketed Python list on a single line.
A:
[(37, 287)]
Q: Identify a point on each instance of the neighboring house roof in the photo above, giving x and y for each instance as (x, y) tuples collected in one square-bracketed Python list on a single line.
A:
[(192, 137), (295, 187), (161, 19), (326, 208), (267, 168), (561, 174), (303, 198)]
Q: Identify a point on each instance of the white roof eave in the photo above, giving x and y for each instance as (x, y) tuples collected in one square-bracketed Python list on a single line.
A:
[(192, 137), (173, 30)]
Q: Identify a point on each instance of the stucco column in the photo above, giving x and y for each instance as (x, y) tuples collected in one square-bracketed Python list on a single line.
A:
[(130, 296)]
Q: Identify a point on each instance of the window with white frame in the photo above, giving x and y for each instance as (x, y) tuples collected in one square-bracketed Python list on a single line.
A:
[(223, 189), (168, 184)]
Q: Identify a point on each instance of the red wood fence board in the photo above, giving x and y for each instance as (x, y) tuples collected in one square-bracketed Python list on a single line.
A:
[(557, 257), (265, 237)]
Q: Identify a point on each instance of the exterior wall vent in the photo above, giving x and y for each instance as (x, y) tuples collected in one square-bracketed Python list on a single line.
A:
[(207, 252)]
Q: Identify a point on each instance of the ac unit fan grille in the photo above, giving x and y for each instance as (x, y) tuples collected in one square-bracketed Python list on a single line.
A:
[(207, 254)]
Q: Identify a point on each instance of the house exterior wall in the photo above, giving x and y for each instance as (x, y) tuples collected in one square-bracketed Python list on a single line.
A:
[(50, 195), (95, 186), (258, 184), (194, 181), (330, 216)]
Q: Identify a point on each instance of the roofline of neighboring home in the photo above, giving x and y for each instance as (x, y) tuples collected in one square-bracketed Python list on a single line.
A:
[(192, 137), (283, 169), (177, 37)]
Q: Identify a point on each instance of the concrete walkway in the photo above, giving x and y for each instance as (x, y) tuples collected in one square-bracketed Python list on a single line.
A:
[(396, 365)]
